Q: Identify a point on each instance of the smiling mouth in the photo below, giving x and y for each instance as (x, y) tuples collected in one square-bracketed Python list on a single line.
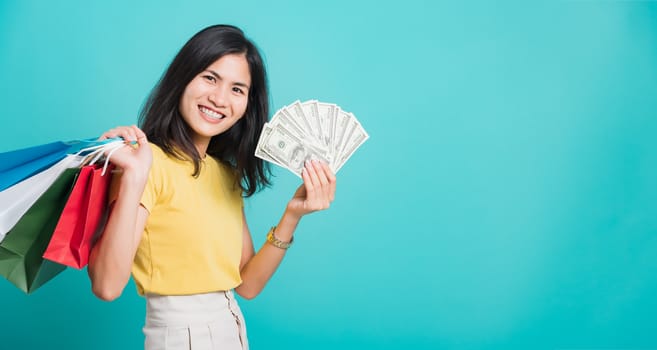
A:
[(211, 114)]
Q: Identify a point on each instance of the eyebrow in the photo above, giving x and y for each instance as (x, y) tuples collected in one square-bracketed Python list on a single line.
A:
[(220, 78)]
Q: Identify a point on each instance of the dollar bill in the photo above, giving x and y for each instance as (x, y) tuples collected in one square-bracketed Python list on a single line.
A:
[(284, 116), (296, 111), (357, 136), (260, 152), (309, 109), (342, 123), (326, 113), (292, 153)]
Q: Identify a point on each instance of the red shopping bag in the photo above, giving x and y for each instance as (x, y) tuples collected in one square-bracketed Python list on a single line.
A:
[(81, 218)]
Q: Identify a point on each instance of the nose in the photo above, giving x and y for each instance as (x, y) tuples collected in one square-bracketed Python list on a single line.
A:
[(218, 96)]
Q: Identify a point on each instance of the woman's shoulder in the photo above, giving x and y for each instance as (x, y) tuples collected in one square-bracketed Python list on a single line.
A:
[(161, 159), (159, 154), (157, 151)]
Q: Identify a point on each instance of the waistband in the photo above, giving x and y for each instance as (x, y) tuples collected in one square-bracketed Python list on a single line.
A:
[(184, 310)]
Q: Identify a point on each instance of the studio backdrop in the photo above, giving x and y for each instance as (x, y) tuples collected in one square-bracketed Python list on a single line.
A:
[(506, 197)]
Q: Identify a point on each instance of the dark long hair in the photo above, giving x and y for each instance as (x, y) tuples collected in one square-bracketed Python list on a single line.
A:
[(164, 126)]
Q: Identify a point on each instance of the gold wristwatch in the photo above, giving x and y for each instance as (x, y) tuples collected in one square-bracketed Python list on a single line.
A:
[(271, 238)]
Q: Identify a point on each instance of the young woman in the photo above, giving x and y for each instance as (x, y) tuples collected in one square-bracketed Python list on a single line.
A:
[(176, 218)]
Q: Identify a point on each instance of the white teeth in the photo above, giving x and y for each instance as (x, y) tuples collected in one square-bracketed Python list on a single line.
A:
[(211, 113)]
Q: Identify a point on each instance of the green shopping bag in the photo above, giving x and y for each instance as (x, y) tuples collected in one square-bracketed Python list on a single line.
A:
[(21, 252)]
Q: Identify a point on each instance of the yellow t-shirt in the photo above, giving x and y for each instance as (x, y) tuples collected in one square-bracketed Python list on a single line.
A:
[(192, 242)]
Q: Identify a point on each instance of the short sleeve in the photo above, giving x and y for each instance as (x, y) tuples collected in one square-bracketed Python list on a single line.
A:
[(154, 183)]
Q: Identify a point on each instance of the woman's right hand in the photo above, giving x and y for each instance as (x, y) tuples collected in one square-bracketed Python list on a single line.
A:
[(131, 158)]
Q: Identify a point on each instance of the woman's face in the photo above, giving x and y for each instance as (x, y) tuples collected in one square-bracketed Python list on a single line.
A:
[(216, 98)]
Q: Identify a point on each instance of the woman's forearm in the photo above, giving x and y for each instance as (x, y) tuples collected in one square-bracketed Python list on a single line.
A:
[(261, 267)]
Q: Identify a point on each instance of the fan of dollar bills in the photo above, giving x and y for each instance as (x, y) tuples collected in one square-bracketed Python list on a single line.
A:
[(310, 130)]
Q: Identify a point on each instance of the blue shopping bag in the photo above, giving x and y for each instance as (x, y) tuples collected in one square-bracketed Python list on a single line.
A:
[(20, 164)]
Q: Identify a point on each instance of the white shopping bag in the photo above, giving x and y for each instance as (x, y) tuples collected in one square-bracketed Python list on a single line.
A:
[(17, 199)]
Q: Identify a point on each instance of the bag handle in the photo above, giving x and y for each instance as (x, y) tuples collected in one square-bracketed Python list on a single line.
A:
[(110, 147)]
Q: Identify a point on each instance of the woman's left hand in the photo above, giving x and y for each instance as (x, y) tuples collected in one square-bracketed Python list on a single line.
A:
[(317, 191)]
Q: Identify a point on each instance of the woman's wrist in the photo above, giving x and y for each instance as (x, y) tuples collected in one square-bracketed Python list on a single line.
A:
[(287, 225), (134, 177), (291, 216)]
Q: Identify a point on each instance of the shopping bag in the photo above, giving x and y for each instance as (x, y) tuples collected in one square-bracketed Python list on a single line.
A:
[(17, 199), (20, 164), (81, 218), (21, 252)]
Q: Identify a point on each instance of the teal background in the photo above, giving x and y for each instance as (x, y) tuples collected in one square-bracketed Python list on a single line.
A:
[(505, 199)]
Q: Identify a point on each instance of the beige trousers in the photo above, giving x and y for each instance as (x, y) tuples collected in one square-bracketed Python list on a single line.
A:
[(211, 321)]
